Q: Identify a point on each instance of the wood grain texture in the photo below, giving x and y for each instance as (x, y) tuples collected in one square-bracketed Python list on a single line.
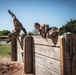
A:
[(41, 70), (70, 54), (51, 52), (47, 42), (62, 56), (14, 49), (47, 56), (28, 55), (51, 64)]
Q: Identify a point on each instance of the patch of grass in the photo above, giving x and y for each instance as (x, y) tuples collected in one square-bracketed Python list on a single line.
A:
[(4, 50)]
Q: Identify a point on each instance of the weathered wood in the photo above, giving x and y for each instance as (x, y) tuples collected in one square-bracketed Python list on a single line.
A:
[(14, 49), (55, 56), (51, 64), (46, 55), (28, 55), (51, 52), (20, 50), (70, 54), (41, 70), (46, 42), (62, 56)]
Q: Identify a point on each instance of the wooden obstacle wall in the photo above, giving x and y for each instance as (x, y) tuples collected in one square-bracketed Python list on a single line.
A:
[(47, 56), (41, 56), (55, 56)]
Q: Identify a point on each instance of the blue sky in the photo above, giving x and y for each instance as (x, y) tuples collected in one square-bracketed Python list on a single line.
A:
[(52, 12)]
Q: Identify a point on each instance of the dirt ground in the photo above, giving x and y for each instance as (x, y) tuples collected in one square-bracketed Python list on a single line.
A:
[(8, 67)]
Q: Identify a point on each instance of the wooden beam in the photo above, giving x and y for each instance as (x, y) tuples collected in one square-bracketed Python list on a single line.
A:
[(14, 49), (3, 36), (28, 55), (62, 55), (54, 42)]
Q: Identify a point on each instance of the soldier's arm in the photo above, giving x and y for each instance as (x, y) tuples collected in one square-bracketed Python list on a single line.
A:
[(46, 28), (24, 30), (12, 14)]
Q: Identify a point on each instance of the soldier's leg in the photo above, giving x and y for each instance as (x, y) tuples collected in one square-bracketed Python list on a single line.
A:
[(46, 28), (10, 36), (53, 32)]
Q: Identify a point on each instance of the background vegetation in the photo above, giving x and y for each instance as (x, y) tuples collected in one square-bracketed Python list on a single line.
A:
[(70, 26), (4, 32), (5, 50)]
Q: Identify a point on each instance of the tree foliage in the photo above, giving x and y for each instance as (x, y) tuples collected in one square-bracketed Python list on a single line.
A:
[(70, 26), (4, 32)]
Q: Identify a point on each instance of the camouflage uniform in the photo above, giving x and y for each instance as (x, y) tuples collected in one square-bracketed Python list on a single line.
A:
[(43, 30), (18, 27), (54, 32), (49, 32)]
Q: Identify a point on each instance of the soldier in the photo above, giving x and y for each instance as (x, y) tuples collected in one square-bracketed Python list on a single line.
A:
[(42, 29), (54, 32), (18, 27), (46, 31)]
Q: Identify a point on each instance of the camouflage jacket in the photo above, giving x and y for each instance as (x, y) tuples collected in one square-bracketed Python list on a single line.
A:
[(43, 29), (18, 26)]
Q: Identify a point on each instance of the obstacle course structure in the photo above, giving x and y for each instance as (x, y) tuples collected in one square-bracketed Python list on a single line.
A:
[(41, 56)]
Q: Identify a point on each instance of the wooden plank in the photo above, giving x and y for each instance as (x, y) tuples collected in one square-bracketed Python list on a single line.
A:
[(28, 55), (51, 52), (48, 42), (52, 65), (3, 36), (41, 70), (62, 56)]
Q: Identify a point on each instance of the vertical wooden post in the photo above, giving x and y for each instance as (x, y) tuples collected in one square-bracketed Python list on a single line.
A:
[(62, 56), (14, 49), (28, 55), (70, 54)]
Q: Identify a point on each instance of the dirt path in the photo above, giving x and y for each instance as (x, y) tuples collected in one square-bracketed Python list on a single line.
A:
[(8, 67)]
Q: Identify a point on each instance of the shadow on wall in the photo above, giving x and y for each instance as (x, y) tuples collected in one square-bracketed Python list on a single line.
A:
[(55, 40), (33, 48)]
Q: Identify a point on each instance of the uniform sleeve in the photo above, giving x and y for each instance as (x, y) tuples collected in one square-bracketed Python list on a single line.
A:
[(12, 14), (24, 30), (45, 28)]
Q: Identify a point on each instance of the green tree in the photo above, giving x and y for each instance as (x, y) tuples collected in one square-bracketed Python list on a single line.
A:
[(4, 32), (70, 26)]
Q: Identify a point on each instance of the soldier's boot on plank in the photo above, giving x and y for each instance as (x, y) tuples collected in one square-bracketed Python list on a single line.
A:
[(8, 41), (9, 37)]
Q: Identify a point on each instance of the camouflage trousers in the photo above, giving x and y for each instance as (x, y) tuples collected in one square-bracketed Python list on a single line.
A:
[(13, 35), (52, 32)]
